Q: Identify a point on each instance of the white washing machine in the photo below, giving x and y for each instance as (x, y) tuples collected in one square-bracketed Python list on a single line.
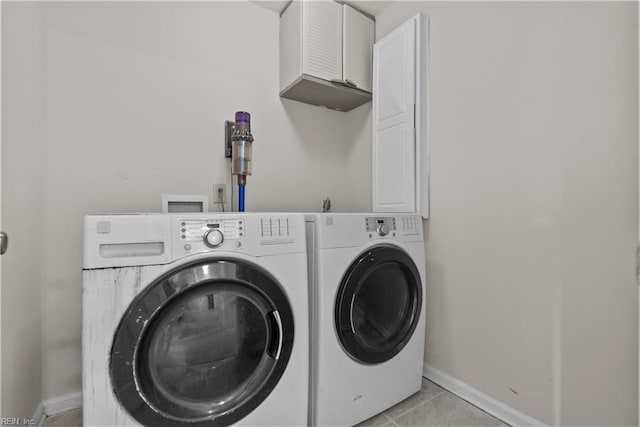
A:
[(367, 289), (195, 320)]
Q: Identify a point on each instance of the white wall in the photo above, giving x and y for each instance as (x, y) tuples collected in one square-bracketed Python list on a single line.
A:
[(22, 161), (136, 95), (531, 296)]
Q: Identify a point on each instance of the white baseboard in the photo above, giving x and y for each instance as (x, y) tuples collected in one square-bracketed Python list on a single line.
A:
[(57, 405), (39, 415), (66, 402), (487, 403)]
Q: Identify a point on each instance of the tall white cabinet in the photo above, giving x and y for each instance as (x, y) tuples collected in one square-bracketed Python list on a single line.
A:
[(326, 54), (400, 154)]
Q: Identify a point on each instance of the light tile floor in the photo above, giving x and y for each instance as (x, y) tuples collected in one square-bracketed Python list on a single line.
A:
[(431, 406), (72, 418)]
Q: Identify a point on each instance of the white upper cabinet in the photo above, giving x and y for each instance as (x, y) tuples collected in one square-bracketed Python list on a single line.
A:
[(322, 39), (326, 52), (400, 158), (358, 37)]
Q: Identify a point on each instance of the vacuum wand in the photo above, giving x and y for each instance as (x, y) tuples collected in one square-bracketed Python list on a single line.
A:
[(241, 141)]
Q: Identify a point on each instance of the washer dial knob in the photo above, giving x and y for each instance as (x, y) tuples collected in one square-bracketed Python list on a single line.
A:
[(213, 238), (383, 229)]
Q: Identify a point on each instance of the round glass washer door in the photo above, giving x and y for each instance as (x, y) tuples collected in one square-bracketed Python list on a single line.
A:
[(378, 304), (203, 345)]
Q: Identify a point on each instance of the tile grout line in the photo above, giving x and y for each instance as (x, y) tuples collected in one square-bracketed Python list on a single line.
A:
[(389, 419), (455, 395), (395, 423), (415, 407)]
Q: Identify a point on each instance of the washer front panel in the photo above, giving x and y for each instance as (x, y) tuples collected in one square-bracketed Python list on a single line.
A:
[(203, 345)]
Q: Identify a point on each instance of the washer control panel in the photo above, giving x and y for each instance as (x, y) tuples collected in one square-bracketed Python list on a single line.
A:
[(275, 228), (257, 234), (214, 232)]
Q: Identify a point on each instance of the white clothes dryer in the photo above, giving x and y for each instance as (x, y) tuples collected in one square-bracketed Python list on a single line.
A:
[(367, 288), (195, 320)]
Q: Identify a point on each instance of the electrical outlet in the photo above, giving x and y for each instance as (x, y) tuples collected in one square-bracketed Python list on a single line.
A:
[(220, 193)]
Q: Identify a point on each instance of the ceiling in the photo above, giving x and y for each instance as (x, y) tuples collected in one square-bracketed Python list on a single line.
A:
[(371, 7)]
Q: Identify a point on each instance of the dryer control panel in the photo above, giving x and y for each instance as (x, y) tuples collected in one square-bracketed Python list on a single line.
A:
[(376, 223), (392, 226)]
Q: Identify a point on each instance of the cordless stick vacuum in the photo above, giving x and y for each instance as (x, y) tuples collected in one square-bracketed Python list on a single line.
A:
[(241, 141)]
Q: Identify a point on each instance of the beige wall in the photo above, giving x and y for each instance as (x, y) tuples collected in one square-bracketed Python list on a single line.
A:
[(136, 95), (22, 205), (534, 183), (531, 296)]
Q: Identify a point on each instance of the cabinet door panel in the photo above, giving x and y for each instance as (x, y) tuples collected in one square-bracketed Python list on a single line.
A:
[(358, 32), (395, 192), (394, 148), (322, 39)]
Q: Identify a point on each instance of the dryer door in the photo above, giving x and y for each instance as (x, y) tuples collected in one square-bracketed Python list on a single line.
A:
[(203, 345), (378, 304)]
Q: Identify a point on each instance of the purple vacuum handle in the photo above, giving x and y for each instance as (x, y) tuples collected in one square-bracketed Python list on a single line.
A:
[(242, 116)]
